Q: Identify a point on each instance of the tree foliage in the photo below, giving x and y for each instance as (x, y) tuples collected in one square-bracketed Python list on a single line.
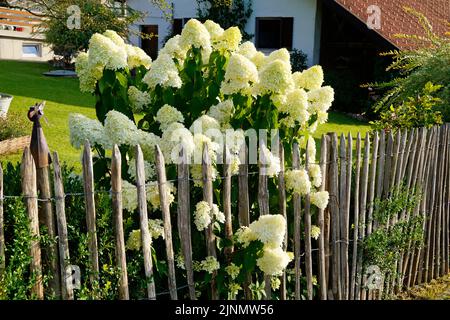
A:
[(227, 13), (417, 67)]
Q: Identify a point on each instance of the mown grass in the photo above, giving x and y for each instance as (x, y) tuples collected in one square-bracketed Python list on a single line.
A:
[(26, 82)]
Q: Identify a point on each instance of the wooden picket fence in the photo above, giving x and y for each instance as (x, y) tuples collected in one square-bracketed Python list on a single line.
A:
[(355, 171)]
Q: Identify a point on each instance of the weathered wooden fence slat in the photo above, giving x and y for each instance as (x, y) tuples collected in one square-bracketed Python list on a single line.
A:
[(323, 283), (296, 202), (143, 219), (88, 179), (165, 209), (61, 222), (116, 190), (353, 280), (29, 190), (208, 197), (184, 220), (283, 212)]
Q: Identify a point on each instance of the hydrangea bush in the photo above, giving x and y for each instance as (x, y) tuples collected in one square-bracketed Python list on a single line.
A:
[(205, 88)]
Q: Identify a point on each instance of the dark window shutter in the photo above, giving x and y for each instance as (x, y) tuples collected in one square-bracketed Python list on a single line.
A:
[(177, 26), (287, 32)]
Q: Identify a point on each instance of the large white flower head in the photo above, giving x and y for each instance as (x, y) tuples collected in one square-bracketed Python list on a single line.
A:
[(222, 111), (120, 129), (167, 115), (82, 128), (118, 41), (200, 142), (298, 181), (156, 228), (174, 49), (88, 74), (320, 199), (233, 270), (309, 79), (229, 40), (271, 163), (315, 232), (316, 174), (240, 74), (214, 29), (270, 229), (138, 99), (134, 241), (163, 72), (203, 124), (195, 34), (137, 57), (275, 77), (202, 215), (247, 49), (175, 138), (281, 54), (217, 214), (235, 139), (296, 108), (245, 235), (197, 174), (259, 59), (273, 261), (320, 99)]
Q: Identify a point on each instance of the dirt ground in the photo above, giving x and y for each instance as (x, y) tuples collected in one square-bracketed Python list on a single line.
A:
[(436, 290)]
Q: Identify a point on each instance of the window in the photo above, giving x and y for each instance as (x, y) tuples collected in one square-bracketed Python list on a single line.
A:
[(178, 25), (30, 50), (274, 33)]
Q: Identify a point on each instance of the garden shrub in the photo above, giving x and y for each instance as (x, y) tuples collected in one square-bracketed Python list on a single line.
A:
[(299, 60), (14, 125), (205, 83), (429, 63)]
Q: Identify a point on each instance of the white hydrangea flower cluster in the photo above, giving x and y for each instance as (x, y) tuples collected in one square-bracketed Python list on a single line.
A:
[(107, 51), (149, 170), (156, 227), (138, 99), (163, 72), (153, 196), (82, 128), (222, 112), (233, 270), (204, 215), (240, 75), (270, 230), (167, 115), (315, 232), (297, 180), (210, 264), (271, 163)]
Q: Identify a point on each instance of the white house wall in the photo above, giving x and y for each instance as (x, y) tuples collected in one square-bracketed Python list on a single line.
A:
[(304, 12)]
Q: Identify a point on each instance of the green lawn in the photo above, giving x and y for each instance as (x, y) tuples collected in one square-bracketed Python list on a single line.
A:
[(24, 80)]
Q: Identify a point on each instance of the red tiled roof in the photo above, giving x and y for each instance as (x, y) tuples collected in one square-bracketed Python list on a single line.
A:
[(395, 20)]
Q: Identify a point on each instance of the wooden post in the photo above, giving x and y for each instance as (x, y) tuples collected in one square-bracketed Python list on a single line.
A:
[(356, 218), (2, 232), (46, 218), (209, 234), (361, 290), (116, 187), (282, 208), (263, 203), (227, 201), (307, 222), (63, 242), (244, 206), (184, 216), (334, 211), (322, 256), (297, 226), (143, 218), (372, 179), (165, 209), (88, 178), (29, 190)]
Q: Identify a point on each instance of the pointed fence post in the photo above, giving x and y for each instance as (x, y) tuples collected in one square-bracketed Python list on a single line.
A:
[(88, 180), (165, 208), (116, 188), (61, 222), (29, 190)]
